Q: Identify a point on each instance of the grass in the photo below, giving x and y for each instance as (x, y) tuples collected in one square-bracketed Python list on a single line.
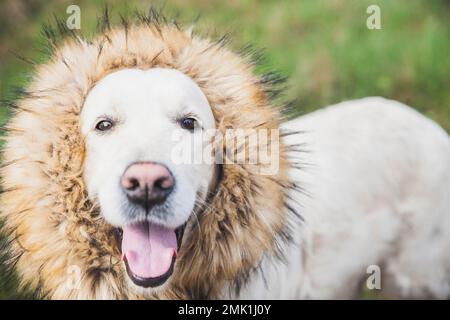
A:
[(323, 47)]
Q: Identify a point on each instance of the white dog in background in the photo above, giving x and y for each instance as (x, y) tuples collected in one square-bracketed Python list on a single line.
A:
[(376, 175)]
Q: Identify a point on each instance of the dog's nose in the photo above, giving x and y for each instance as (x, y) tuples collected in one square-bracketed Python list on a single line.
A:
[(147, 183)]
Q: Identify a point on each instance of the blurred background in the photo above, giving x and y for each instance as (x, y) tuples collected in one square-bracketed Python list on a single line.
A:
[(323, 47)]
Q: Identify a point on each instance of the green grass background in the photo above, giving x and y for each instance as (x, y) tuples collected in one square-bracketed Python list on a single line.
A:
[(323, 47)]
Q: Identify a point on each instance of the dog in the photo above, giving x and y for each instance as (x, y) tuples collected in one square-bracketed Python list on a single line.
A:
[(97, 205)]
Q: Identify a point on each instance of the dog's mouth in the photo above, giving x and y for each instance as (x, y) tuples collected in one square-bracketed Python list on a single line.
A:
[(149, 252)]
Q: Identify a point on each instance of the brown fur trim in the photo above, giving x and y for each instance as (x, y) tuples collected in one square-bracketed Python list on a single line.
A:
[(57, 232)]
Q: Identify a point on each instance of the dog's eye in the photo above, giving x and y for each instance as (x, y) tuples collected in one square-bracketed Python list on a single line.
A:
[(188, 123), (104, 125)]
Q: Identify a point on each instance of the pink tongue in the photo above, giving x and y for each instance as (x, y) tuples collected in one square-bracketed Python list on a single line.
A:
[(148, 249)]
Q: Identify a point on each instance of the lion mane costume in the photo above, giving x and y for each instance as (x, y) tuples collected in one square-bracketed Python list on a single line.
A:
[(56, 231)]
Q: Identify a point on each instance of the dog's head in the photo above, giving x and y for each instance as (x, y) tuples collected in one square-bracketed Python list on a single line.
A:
[(133, 122), (96, 199)]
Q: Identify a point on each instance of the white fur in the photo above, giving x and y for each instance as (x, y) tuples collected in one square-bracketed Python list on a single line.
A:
[(146, 106), (377, 175)]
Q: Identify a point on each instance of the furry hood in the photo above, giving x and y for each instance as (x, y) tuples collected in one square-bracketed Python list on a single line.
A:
[(56, 232)]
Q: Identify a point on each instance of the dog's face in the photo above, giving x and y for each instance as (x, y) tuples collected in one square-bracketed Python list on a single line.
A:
[(129, 120)]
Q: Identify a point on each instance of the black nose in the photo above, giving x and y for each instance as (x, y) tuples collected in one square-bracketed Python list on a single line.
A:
[(147, 183)]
